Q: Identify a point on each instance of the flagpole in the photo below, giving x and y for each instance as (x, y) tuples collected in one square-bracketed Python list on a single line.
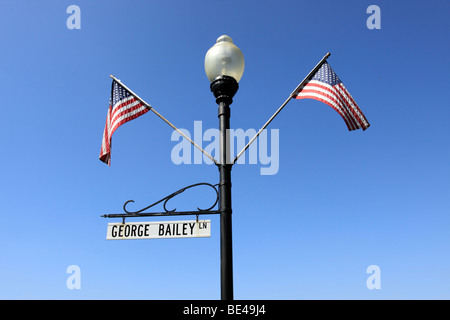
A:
[(164, 119), (317, 67)]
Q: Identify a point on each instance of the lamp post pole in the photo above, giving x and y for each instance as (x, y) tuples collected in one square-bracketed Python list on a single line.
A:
[(224, 88), (226, 245), (224, 66)]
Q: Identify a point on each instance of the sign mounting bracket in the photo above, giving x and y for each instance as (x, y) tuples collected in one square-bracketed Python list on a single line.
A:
[(166, 212)]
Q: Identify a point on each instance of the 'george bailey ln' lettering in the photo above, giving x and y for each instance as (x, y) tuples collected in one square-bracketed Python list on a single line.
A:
[(159, 230), (175, 229), (130, 230)]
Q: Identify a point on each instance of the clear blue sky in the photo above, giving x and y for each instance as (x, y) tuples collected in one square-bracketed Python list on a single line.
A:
[(340, 201)]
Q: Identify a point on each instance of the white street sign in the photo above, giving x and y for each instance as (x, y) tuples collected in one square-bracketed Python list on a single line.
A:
[(159, 230)]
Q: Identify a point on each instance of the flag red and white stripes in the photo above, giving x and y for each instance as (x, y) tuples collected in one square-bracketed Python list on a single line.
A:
[(123, 107), (325, 86)]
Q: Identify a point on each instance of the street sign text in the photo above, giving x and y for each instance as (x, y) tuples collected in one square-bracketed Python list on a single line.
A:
[(159, 230)]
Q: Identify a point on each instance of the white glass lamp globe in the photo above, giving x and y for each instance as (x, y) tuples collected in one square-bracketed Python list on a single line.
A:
[(224, 59)]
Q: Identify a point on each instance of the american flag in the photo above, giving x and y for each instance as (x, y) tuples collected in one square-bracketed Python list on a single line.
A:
[(325, 86), (123, 107)]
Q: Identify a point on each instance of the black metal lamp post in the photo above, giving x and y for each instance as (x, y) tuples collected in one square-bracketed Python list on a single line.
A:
[(224, 66)]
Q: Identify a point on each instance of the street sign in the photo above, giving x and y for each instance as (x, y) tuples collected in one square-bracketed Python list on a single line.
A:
[(159, 230)]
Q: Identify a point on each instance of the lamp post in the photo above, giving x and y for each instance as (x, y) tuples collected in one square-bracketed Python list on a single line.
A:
[(224, 66)]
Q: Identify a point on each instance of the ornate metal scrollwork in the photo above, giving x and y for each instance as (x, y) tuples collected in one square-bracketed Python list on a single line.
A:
[(166, 199)]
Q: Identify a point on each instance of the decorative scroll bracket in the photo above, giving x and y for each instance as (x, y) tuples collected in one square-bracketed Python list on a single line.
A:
[(141, 213)]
